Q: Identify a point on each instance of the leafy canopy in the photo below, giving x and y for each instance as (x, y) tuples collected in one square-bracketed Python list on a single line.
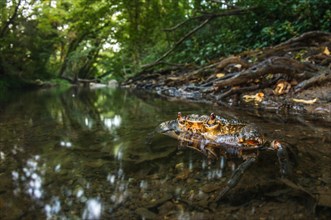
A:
[(113, 39)]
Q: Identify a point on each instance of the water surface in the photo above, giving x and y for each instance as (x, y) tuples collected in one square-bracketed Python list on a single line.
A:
[(94, 154)]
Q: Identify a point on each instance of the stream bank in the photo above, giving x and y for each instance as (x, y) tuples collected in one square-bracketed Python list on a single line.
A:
[(293, 77)]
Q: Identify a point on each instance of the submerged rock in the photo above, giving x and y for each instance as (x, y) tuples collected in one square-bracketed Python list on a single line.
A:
[(145, 213)]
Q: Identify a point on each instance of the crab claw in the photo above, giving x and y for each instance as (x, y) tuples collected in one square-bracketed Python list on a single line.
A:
[(275, 144), (169, 128)]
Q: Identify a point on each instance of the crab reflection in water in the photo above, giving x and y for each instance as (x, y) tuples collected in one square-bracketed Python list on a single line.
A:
[(215, 136)]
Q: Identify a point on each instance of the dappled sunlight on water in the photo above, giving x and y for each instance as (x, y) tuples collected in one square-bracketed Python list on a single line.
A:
[(95, 155), (30, 178), (92, 209), (112, 123)]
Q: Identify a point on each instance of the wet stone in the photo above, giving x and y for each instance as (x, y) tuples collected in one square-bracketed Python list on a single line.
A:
[(95, 164), (179, 166), (145, 213), (160, 201), (166, 207), (183, 175), (210, 187)]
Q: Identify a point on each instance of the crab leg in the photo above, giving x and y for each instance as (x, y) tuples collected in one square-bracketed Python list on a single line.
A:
[(282, 157), (236, 176)]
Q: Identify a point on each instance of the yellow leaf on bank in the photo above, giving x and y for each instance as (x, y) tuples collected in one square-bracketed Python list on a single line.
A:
[(258, 97), (304, 101), (173, 78), (282, 87), (220, 75), (326, 51)]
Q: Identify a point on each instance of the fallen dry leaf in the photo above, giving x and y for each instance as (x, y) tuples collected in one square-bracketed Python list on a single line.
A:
[(282, 87), (326, 51), (304, 101), (220, 75), (258, 97), (173, 78)]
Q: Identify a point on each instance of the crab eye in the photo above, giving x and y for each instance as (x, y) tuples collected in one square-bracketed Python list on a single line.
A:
[(179, 116), (212, 116)]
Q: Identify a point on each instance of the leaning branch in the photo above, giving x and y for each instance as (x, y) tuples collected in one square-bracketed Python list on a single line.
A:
[(236, 11), (178, 43), (179, 24), (208, 17)]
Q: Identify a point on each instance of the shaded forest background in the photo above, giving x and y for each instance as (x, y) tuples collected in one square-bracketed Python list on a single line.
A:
[(111, 39)]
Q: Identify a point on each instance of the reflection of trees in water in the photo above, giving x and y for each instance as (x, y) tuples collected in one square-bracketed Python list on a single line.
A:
[(73, 150), (65, 151), (37, 142), (81, 154)]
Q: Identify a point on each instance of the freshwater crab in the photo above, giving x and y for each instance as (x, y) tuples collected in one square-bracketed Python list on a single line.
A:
[(216, 136)]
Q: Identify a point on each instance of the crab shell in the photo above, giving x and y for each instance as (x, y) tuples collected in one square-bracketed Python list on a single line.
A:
[(218, 130), (194, 123)]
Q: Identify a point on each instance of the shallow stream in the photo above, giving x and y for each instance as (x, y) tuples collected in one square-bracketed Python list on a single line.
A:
[(93, 154)]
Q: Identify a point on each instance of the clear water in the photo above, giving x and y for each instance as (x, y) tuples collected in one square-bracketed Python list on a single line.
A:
[(93, 154)]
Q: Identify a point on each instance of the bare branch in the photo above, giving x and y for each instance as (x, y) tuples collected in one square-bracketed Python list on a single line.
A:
[(205, 15), (209, 18), (178, 43), (178, 25)]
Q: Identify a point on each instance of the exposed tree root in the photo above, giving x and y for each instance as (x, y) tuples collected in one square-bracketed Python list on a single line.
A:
[(232, 60), (272, 65), (313, 39), (300, 63), (323, 77), (239, 90)]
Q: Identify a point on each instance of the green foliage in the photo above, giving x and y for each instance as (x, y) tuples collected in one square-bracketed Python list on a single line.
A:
[(114, 39), (60, 83), (271, 23), (3, 86), (8, 81)]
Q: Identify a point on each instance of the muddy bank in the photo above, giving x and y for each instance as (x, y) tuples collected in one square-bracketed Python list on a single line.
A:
[(294, 77)]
